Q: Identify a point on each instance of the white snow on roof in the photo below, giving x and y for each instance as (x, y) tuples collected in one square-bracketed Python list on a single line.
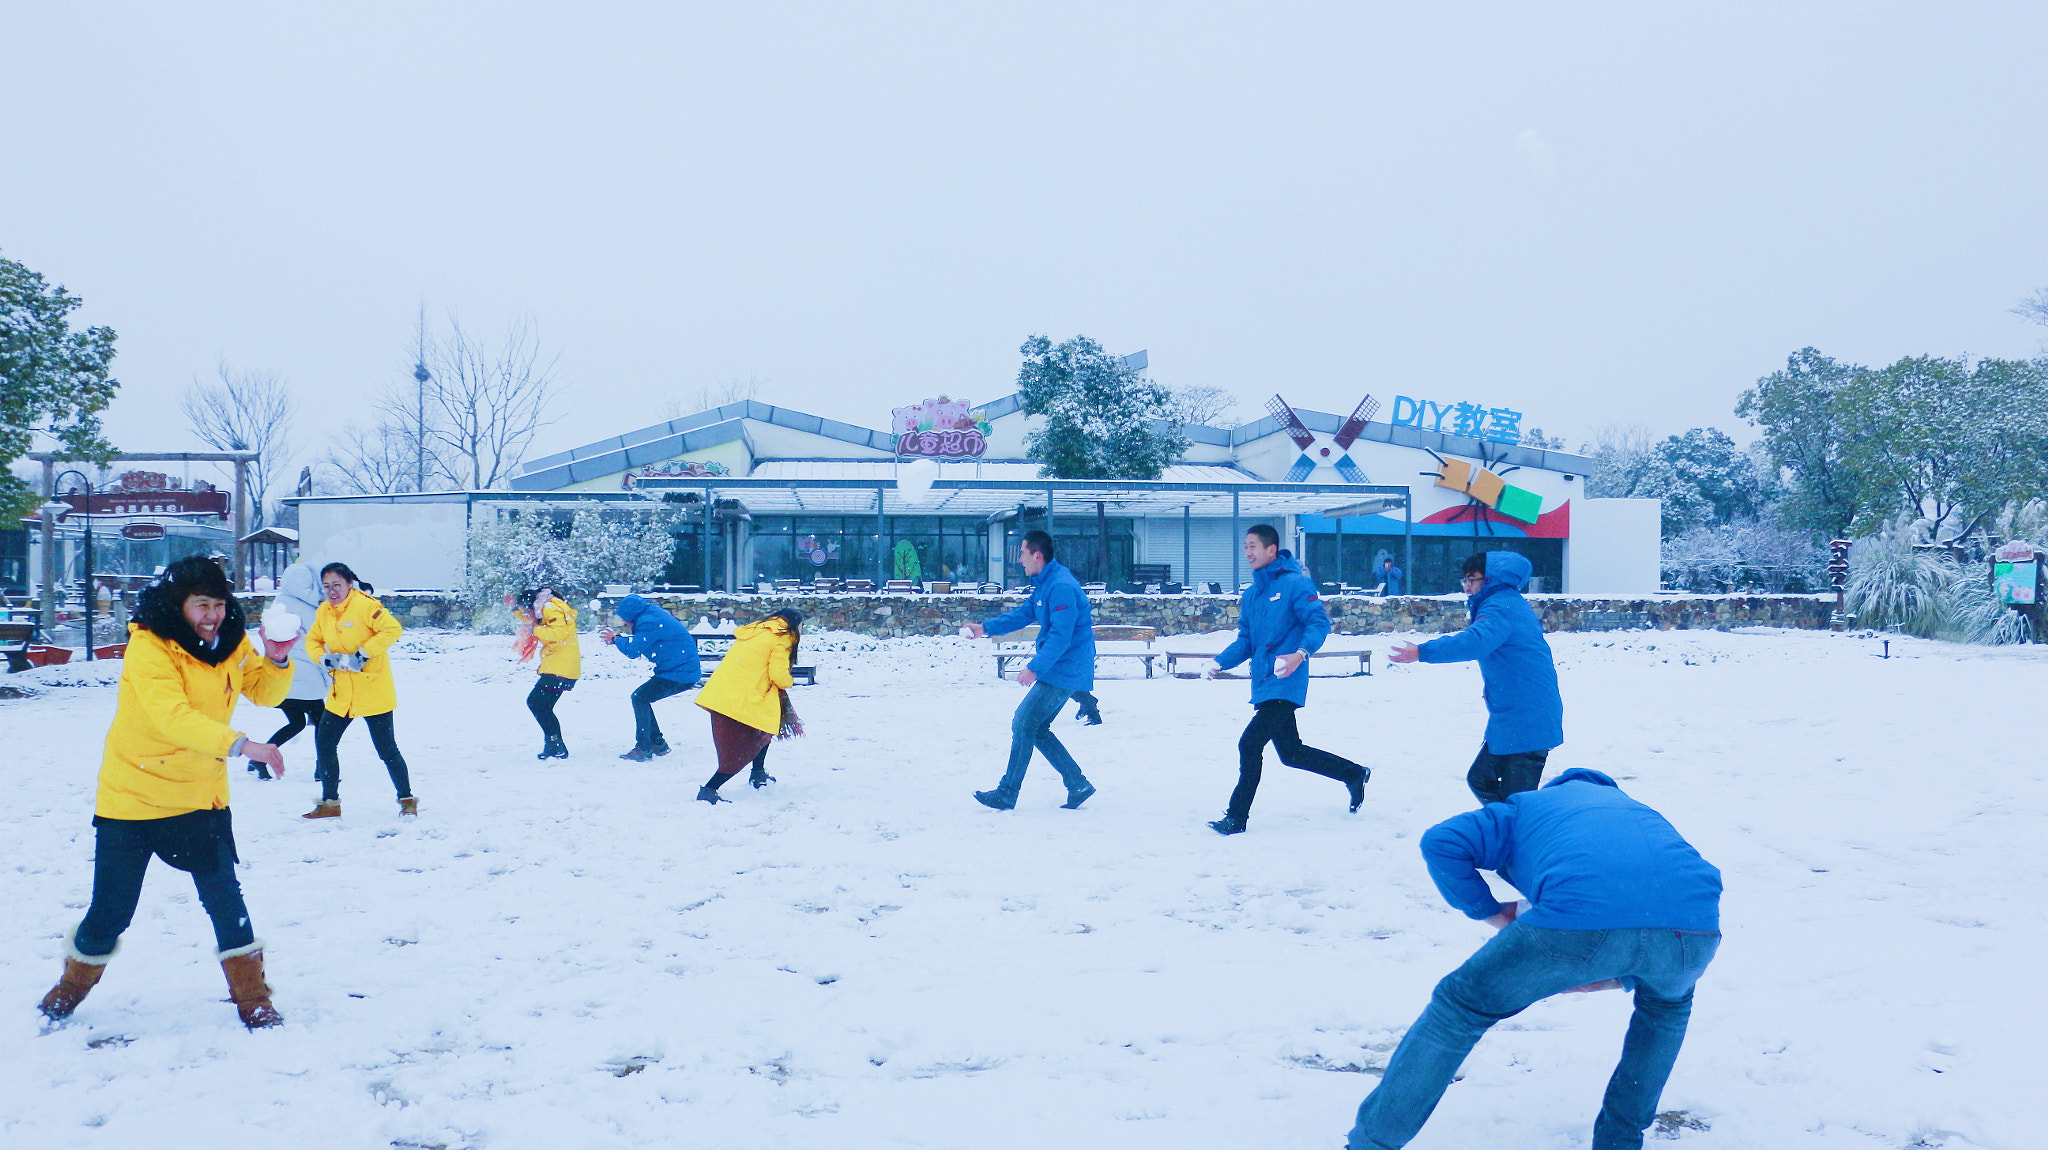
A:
[(799, 470)]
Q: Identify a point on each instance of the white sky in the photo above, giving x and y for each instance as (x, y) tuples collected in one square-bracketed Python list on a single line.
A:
[(1621, 213)]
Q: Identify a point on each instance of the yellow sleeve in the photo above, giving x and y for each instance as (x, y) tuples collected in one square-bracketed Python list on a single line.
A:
[(264, 683), (161, 693), (778, 663), (555, 626), (384, 631), (316, 636)]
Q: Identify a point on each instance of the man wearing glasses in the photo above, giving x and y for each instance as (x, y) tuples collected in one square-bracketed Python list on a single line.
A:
[(1525, 715)]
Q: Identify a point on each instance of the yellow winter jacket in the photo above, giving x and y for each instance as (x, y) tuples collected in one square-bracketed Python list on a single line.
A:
[(167, 751), (560, 651), (744, 687), (360, 624)]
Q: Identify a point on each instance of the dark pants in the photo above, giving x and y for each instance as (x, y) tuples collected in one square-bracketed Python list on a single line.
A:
[(647, 732), (1087, 704), (737, 744), (121, 856), (1273, 722), (299, 714), (1494, 777), (541, 701), (327, 739)]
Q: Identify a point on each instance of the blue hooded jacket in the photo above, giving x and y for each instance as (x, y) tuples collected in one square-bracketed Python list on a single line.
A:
[(1585, 855), (1066, 628), (1524, 709), (662, 638), (1279, 615)]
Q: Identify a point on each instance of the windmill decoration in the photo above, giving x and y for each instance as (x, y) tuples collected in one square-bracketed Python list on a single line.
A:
[(1305, 439), (1484, 486)]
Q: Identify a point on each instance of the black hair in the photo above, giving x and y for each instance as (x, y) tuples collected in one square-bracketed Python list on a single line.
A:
[(341, 569), (795, 619), (160, 609), (1041, 543), (1474, 564), (1267, 536)]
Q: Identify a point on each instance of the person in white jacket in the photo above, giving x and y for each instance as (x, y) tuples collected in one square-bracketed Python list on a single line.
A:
[(298, 591)]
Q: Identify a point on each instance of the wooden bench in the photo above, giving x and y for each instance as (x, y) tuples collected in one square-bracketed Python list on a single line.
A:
[(1364, 663), (14, 640), (1103, 634)]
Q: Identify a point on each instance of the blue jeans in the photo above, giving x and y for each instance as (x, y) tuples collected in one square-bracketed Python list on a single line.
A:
[(1523, 965), (1031, 727)]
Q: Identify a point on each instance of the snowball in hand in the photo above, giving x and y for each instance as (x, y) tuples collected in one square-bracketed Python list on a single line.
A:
[(279, 624), (967, 632)]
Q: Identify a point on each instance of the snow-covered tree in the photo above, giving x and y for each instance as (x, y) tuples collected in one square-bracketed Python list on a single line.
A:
[(1103, 419), (514, 549)]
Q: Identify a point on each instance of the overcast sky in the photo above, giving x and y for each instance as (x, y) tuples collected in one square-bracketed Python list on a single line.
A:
[(1592, 213)]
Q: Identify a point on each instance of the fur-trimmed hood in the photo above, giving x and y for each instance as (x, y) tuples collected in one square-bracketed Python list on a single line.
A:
[(160, 610)]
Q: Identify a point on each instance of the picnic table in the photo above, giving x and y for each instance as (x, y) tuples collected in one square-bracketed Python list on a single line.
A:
[(1022, 644)]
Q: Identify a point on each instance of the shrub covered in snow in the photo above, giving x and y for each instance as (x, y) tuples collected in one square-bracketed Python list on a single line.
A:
[(1922, 591), (520, 549)]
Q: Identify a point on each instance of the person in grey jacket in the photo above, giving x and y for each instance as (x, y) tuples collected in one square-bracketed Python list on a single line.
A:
[(298, 591)]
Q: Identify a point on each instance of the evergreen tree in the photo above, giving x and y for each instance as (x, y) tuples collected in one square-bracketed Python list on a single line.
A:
[(52, 380), (1103, 420), (1804, 432)]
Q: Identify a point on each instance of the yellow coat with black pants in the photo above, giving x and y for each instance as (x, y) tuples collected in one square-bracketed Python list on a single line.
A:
[(357, 626), (744, 696), (561, 663), (163, 782)]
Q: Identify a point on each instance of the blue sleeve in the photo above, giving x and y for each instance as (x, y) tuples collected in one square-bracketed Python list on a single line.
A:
[(633, 646), (1487, 631), (1313, 617), (1010, 621), (1240, 648), (1061, 617), (1458, 848)]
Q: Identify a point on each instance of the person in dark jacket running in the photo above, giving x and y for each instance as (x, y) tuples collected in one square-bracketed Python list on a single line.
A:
[(1280, 623), (1617, 899), (1064, 664), (663, 640), (1525, 714)]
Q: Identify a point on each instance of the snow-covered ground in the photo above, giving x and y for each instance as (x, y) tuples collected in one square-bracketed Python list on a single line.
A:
[(576, 954)]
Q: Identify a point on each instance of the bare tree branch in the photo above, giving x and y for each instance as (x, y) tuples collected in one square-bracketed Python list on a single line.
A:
[(716, 394), (246, 410), (376, 460), (488, 401)]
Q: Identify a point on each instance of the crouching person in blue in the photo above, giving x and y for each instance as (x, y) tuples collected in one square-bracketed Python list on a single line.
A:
[(665, 642), (1280, 623), (1525, 714), (1063, 665), (1617, 900)]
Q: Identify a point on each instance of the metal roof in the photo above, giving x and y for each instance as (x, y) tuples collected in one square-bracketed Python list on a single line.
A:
[(991, 497)]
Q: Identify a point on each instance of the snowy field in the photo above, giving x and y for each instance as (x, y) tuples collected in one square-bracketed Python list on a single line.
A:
[(576, 954)]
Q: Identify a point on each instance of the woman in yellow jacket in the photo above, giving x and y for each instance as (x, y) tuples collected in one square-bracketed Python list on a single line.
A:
[(163, 787), (748, 700), (350, 636), (561, 662)]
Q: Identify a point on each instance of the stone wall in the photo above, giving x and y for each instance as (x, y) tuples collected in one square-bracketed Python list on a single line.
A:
[(891, 615)]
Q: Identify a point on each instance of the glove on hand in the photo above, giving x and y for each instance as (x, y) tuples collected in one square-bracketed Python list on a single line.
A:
[(331, 661), (354, 662)]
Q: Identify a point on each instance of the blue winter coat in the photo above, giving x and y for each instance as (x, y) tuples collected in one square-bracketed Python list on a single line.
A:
[(1392, 576), (1524, 710), (1066, 628), (662, 638), (1279, 615), (1585, 855)]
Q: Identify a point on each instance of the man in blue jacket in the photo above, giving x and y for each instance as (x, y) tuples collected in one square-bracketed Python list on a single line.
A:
[(1525, 715), (1616, 900), (1280, 623), (665, 642), (1064, 664), (1390, 577)]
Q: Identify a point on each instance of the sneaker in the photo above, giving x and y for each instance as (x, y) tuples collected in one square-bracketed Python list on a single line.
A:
[(995, 800), (638, 755), (1090, 718), (328, 809), (1076, 798), (660, 748), (1228, 825), (1357, 786)]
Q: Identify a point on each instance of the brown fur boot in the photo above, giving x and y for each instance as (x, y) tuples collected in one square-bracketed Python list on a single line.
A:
[(250, 994), (81, 973), (328, 809)]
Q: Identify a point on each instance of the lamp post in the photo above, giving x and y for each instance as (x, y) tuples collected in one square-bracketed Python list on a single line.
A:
[(53, 507)]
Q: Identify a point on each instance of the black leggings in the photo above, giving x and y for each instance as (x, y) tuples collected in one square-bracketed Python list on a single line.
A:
[(1274, 723), (1494, 777), (328, 738), (541, 701), (299, 714)]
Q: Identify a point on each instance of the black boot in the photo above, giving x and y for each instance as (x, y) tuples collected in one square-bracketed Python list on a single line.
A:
[(553, 749), (1228, 825), (1357, 786), (760, 777), (708, 793)]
